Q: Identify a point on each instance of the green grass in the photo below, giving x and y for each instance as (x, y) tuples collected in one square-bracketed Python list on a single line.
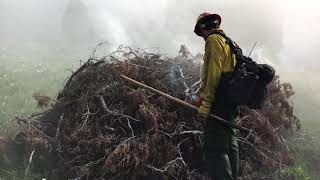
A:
[(20, 77), (294, 173), (18, 81), (16, 174), (23, 75), (306, 148)]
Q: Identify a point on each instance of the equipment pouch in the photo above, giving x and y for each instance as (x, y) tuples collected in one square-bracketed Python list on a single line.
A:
[(241, 87), (258, 97)]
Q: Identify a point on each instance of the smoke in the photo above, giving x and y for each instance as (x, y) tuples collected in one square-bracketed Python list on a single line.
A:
[(286, 31), (32, 20), (167, 24), (301, 38)]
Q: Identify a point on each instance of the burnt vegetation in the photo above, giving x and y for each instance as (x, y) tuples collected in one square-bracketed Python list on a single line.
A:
[(102, 127)]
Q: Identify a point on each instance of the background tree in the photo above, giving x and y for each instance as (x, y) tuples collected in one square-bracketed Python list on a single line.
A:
[(77, 26)]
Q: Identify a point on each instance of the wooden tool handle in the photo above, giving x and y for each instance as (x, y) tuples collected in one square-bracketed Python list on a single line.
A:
[(225, 122), (161, 93)]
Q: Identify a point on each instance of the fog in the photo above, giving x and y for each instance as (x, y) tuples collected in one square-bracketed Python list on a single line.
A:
[(286, 31)]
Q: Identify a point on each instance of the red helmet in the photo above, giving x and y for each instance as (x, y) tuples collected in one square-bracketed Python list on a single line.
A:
[(213, 19)]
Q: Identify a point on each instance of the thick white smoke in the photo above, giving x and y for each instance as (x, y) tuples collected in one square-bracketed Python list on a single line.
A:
[(167, 24), (287, 31)]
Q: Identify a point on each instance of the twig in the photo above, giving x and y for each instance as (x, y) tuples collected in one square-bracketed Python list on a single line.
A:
[(180, 79), (145, 67), (191, 132), (256, 148), (243, 118), (187, 89), (245, 140), (165, 168), (132, 133), (37, 114), (169, 135), (179, 151), (59, 126), (168, 165), (103, 103), (29, 163), (127, 140), (285, 143), (121, 145), (92, 163), (87, 114), (42, 133)]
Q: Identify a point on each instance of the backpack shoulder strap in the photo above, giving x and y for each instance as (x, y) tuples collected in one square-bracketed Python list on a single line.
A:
[(235, 49)]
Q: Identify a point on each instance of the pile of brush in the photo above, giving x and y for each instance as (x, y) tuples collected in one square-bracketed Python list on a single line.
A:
[(102, 127)]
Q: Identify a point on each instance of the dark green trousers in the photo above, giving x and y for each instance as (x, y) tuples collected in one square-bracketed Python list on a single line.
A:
[(220, 143)]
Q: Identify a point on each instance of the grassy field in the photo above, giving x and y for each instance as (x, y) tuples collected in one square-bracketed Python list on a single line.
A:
[(21, 76), (36, 70), (18, 81)]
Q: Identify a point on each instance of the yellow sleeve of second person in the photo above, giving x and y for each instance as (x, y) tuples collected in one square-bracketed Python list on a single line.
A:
[(214, 58)]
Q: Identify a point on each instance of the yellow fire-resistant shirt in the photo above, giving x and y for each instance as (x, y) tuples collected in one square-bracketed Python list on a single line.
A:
[(218, 60)]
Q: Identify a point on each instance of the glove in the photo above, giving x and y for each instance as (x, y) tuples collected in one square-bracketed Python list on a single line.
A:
[(196, 100), (204, 110)]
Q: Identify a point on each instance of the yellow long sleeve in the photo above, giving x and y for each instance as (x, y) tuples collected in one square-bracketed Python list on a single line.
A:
[(217, 61)]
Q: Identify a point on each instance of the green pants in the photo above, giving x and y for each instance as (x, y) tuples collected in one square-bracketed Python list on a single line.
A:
[(220, 144)]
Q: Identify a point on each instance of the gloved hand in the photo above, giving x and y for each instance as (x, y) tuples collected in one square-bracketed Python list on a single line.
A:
[(196, 100), (204, 110)]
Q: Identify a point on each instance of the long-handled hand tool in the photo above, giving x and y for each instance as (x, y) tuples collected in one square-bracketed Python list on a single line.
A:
[(223, 121)]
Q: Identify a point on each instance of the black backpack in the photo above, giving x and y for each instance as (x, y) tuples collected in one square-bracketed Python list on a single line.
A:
[(247, 85)]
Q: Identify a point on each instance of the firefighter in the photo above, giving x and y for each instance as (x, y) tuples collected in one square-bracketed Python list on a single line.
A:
[(220, 144)]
